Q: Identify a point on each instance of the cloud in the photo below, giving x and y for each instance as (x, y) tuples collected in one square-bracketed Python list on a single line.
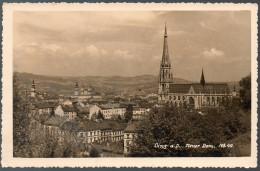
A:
[(89, 51), (50, 47), (130, 42), (213, 53), (123, 54)]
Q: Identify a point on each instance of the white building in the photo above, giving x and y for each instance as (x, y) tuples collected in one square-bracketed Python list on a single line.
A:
[(67, 111), (130, 134), (108, 111)]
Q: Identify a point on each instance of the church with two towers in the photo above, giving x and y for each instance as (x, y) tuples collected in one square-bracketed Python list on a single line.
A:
[(195, 95)]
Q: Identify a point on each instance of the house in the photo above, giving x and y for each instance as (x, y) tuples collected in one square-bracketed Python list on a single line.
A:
[(45, 108), (52, 126), (140, 110), (94, 111), (117, 133), (83, 112), (68, 111), (108, 110), (130, 133)]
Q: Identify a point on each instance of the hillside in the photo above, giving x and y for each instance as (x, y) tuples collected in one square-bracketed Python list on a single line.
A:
[(147, 83)]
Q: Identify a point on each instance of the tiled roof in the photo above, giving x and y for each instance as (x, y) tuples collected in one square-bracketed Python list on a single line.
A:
[(69, 108), (45, 105), (83, 110), (71, 126), (55, 121), (131, 128), (109, 106), (218, 88), (179, 88), (117, 126)]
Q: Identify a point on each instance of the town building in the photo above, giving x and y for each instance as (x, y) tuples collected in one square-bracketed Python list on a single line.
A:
[(130, 133), (86, 132), (45, 108), (67, 111), (108, 110), (85, 93), (195, 95)]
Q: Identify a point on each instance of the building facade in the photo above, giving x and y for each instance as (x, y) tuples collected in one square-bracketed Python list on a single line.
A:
[(195, 95), (85, 93)]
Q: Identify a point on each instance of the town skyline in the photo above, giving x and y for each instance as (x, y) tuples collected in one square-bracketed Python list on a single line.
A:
[(53, 48)]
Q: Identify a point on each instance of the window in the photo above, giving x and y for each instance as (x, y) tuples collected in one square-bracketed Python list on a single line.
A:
[(127, 135), (179, 97), (174, 97), (127, 143), (81, 134)]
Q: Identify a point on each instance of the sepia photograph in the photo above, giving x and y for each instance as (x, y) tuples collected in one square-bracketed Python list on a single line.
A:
[(117, 84)]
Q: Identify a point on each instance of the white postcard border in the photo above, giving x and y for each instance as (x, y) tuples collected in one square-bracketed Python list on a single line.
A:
[(7, 139)]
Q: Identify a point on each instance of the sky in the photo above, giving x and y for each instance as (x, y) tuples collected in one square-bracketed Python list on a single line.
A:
[(130, 43)]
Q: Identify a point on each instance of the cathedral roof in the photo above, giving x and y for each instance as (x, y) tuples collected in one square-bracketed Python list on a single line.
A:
[(218, 88), (179, 88)]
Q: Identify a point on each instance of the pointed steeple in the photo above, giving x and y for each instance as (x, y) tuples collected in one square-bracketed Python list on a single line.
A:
[(165, 56), (165, 31), (202, 79)]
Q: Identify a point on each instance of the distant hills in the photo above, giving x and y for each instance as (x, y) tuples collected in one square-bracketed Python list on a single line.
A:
[(147, 83)]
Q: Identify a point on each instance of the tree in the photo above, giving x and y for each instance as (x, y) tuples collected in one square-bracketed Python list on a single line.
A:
[(94, 116), (21, 119), (172, 126), (93, 153), (100, 115), (245, 91), (129, 113)]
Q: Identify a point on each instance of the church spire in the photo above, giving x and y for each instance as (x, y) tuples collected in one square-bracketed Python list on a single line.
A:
[(165, 57), (165, 31), (202, 79)]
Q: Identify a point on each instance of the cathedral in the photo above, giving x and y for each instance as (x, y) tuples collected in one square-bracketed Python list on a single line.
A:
[(82, 92), (195, 95)]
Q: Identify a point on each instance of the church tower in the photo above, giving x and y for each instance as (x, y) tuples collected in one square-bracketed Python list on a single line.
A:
[(76, 91), (202, 79), (33, 91), (82, 89), (165, 75)]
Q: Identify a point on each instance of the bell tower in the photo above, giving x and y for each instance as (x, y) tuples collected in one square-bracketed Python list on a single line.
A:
[(76, 91), (33, 92), (165, 75)]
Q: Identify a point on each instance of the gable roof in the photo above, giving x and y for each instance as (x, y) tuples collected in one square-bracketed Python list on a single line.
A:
[(71, 126), (179, 88), (68, 108), (45, 105), (55, 121), (218, 88), (131, 128), (117, 126)]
